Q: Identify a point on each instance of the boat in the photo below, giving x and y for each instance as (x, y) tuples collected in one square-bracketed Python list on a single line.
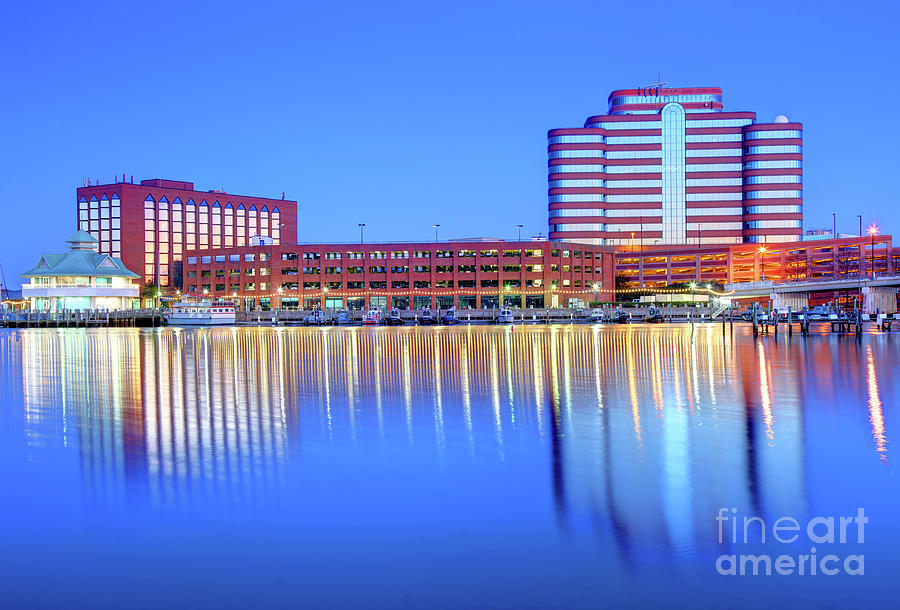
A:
[(315, 318), (822, 313), (597, 315), (427, 318), (619, 316), (761, 315), (371, 317), (394, 318), (449, 318), (343, 318), (505, 316), (653, 316), (203, 313)]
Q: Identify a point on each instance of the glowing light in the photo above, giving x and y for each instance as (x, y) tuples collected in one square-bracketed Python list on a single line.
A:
[(872, 229), (876, 416), (765, 397)]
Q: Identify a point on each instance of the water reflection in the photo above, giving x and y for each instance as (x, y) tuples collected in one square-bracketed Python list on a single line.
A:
[(644, 432)]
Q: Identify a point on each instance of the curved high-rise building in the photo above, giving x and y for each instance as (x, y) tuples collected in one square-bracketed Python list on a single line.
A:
[(670, 166)]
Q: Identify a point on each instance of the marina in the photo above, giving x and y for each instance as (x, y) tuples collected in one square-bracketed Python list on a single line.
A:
[(765, 321)]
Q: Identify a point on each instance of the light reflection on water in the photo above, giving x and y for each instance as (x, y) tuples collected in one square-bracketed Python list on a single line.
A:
[(621, 440)]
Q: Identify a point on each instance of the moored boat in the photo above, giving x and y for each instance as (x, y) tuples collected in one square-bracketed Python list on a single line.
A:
[(343, 318), (394, 319), (619, 316), (653, 316), (505, 316), (203, 313), (427, 318), (449, 318), (597, 315), (315, 318), (371, 317)]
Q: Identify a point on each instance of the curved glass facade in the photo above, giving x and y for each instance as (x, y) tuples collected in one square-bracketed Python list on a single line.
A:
[(764, 135), (780, 148), (576, 154), (634, 213), (715, 196), (575, 183), (633, 154), (575, 169), (643, 198), (633, 169), (576, 212), (627, 124), (773, 194), (714, 167), (673, 168), (620, 184), (584, 226), (774, 164), (633, 140), (714, 137), (661, 99), (774, 209), (773, 179), (714, 181), (577, 198), (714, 211), (714, 152), (575, 139), (772, 224)]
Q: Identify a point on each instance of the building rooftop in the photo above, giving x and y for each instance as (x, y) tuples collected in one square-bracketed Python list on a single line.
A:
[(80, 260)]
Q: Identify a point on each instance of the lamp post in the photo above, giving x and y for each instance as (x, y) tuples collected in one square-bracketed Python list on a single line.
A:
[(834, 225), (362, 225), (762, 264), (519, 227), (435, 227), (873, 231), (641, 244)]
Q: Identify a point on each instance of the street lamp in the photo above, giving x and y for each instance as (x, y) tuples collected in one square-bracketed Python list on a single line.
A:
[(762, 264), (435, 227), (834, 225), (362, 225), (519, 227), (873, 231)]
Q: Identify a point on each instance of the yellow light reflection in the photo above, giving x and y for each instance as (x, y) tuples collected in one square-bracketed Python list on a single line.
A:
[(876, 416), (764, 393)]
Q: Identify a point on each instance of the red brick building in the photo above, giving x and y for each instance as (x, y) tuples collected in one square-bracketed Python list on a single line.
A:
[(152, 224), (463, 274)]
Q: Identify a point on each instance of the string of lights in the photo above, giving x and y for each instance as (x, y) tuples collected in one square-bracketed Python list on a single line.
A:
[(450, 292)]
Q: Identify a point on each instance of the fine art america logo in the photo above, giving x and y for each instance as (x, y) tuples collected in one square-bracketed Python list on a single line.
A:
[(824, 544)]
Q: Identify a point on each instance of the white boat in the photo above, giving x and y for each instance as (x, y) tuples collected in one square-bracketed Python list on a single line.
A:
[(371, 317), (428, 318), (597, 315), (344, 318), (394, 318), (315, 318), (203, 313), (505, 316)]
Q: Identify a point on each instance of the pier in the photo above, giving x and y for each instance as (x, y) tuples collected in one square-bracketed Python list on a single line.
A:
[(763, 322)]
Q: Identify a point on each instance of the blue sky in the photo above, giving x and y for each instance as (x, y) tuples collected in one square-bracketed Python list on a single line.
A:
[(402, 115)]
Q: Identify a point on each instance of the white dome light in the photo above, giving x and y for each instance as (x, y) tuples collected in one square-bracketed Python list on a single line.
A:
[(781, 119)]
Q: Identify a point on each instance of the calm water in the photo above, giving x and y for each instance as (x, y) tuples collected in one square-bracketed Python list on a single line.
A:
[(479, 467)]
